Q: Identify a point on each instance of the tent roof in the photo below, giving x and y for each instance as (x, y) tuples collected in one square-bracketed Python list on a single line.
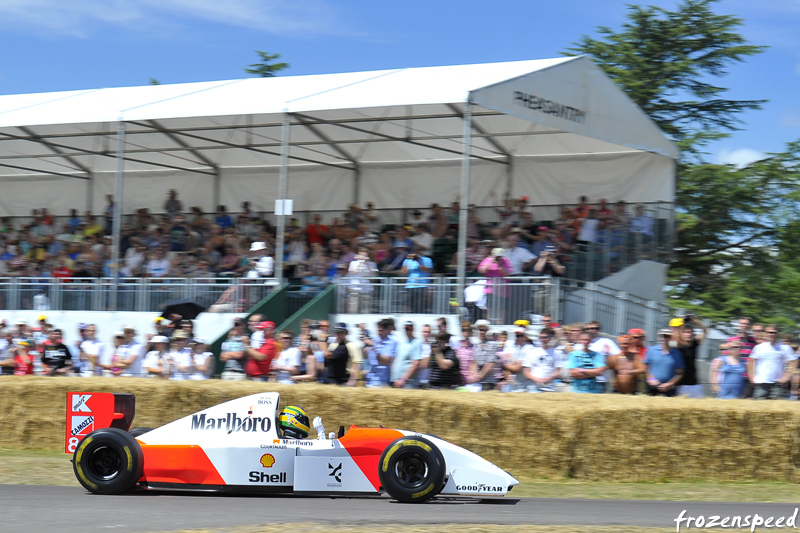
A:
[(343, 120)]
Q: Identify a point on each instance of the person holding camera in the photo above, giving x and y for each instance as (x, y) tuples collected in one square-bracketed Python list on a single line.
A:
[(496, 267), (547, 264), (445, 372), (417, 269), (688, 342)]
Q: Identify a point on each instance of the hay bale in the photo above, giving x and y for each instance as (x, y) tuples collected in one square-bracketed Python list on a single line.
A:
[(608, 437)]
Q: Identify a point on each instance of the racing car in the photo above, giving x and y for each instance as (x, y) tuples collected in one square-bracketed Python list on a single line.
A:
[(237, 446)]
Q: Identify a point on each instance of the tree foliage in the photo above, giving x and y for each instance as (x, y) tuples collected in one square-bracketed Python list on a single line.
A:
[(666, 61), (266, 68), (738, 238), (738, 248)]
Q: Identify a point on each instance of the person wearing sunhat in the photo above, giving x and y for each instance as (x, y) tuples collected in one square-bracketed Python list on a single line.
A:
[(180, 355), (638, 338), (156, 362), (664, 366), (202, 360), (262, 265)]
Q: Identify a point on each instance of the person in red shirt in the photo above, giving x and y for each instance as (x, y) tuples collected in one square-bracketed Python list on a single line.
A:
[(258, 365), (60, 270), (23, 358), (317, 233), (637, 343)]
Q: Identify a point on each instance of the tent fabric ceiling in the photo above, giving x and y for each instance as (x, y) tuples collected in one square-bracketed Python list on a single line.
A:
[(347, 121)]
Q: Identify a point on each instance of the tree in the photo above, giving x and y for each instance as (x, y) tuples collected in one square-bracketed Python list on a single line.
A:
[(737, 250), (665, 61), (265, 68)]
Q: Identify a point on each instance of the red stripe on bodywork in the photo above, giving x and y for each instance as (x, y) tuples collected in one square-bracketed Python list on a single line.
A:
[(178, 464), (365, 446)]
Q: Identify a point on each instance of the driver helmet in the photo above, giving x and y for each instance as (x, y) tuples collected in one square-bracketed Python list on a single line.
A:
[(294, 422)]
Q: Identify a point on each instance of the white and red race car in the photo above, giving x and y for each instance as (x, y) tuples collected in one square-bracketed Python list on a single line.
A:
[(236, 447)]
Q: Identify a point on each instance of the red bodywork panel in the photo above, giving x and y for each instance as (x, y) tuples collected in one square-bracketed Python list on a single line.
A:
[(365, 446), (179, 464)]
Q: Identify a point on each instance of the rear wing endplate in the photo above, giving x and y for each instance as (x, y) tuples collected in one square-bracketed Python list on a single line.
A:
[(88, 411)]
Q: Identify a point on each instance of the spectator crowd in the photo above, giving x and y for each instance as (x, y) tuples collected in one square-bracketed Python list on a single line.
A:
[(755, 363), (191, 243)]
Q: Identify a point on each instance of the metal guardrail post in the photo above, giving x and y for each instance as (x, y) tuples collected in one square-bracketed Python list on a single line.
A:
[(56, 296), (142, 294), (590, 301), (621, 312), (653, 319), (556, 310)]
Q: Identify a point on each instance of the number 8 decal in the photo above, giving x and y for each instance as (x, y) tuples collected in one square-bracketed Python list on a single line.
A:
[(73, 443)]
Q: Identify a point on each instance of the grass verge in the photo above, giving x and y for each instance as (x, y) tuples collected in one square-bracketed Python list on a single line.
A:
[(308, 527)]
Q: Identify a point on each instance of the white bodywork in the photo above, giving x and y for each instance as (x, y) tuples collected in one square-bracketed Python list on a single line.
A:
[(240, 439)]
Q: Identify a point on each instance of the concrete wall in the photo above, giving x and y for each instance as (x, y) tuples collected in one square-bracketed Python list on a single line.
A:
[(207, 325)]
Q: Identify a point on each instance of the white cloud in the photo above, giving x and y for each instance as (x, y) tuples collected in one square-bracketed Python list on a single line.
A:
[(790, 120), (739, 157), (76, 18)]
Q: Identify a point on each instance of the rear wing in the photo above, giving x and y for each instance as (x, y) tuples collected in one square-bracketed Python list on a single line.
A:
[(88, 411)]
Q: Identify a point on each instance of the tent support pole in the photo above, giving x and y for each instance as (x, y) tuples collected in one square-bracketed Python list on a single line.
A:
[(282, 192), (217, 194), (357, 184), (463, 202), (90, 192), (509, 177), (118, 200)]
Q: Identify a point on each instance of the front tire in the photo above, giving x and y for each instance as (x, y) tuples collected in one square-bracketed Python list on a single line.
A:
[(412, 470), (108, 461)]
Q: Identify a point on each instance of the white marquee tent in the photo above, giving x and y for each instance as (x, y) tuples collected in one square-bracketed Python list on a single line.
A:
[(551, 129)]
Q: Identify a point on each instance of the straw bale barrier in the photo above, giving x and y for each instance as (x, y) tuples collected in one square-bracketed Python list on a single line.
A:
[(608, 437)]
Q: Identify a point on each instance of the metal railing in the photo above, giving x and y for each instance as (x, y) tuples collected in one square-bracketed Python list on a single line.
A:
[(617, 311), (512, 299), (504, 302), (133, 294)]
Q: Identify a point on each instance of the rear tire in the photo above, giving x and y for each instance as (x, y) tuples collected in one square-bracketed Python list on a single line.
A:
[(135, 432), (108, 461), (412, 470)]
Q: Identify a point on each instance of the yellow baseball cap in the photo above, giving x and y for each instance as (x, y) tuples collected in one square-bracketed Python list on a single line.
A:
[(676, 322)]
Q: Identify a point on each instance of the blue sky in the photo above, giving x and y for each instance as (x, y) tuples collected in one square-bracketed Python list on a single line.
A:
[(55, 45)]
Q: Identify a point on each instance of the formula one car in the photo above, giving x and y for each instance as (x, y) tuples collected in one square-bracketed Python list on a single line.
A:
[(236, 446)]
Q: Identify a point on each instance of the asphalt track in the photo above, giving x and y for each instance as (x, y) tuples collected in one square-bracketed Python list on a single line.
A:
[(72, 510)]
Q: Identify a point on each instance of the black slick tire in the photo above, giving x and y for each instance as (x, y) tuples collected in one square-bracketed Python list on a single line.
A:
[(108, 461), (412, 470), (135, 432)]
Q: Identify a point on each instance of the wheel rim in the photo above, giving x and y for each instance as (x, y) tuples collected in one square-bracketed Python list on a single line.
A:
[(104, 463), (411, 470)]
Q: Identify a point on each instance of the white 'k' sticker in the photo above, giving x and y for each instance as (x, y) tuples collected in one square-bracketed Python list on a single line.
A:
[(79, 403)]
